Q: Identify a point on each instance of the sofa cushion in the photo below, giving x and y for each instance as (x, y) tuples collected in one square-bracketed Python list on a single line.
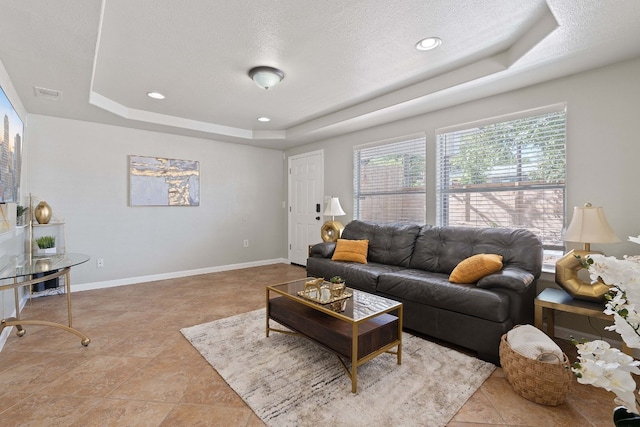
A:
[(351, 250), (434, 289), (440, 249), (323, 249), (390, 244), (474, 268), (511, 278), (359, 276)]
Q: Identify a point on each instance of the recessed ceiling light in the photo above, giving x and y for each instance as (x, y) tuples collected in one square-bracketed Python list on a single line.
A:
[(264, 119), (428, 43), (155, 95)]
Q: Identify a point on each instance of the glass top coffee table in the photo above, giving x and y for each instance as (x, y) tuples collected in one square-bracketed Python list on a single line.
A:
[(356, 329)]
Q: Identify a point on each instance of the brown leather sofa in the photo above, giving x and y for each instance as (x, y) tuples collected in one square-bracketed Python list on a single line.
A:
[(412, 263)]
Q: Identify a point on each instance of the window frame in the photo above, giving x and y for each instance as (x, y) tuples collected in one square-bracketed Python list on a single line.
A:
[(411, 145), (552, 247)]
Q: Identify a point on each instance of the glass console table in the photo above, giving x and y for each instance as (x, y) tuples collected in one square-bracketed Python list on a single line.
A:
[(36, 270)]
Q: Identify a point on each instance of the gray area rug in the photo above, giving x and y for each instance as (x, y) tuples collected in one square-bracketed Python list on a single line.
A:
[(289, 381)]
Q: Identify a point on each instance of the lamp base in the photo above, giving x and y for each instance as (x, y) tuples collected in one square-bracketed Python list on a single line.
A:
[(331, 231), (567, 269)]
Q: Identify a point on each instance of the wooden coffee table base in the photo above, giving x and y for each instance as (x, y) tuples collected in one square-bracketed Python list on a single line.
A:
[(375, 335)]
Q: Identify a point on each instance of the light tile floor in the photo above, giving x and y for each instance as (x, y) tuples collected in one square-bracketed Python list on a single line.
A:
[(140, 371)]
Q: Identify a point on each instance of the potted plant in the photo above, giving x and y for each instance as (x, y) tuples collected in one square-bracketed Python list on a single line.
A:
[(46, 245), (336, 279), (21, 214)]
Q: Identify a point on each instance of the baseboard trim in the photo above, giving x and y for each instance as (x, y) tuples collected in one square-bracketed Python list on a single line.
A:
[(172, 275), (141, 279)]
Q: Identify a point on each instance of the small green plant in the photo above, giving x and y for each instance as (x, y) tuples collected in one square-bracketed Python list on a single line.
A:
[(336, 279), (46, 242), (21, 210)]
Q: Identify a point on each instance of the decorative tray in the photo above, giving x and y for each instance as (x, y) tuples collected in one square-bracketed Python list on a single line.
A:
[(332, 299)]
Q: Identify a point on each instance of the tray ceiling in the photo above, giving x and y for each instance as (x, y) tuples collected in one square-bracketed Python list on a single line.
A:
[(348, 65)]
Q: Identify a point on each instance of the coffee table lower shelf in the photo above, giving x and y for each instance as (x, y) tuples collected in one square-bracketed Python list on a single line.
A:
[(376, 335)]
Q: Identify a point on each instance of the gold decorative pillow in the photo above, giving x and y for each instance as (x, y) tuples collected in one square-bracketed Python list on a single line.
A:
[(351, 250), (475, 267)]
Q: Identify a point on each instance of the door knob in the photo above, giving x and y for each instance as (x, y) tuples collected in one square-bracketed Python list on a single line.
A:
[(317, 218)]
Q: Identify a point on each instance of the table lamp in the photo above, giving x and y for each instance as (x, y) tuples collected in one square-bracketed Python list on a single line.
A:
[(332, 230), (588, 225)]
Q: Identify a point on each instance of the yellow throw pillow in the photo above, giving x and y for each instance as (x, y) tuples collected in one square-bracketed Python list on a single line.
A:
[(351, 250), (475, 267)]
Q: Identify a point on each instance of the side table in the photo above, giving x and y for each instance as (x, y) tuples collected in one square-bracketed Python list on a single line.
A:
[(558, 300), (27, 270)]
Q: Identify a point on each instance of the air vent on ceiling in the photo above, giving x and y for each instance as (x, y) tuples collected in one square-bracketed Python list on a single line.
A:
[(51, 94)]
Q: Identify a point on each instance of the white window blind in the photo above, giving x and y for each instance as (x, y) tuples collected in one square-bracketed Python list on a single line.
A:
[(505, 174), (389, 181)]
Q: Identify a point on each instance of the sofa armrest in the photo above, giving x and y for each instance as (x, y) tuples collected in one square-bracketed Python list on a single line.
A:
[(511, 278), (322, 250)]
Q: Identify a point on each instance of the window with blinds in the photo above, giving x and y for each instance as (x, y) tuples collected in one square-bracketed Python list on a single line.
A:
[(509, 173), (389, 181)]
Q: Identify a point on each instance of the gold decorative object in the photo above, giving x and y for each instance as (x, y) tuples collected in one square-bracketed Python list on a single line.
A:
[(338, 306), (312, 289), (325, 293), (42, 213), (43, 265), (567, 269), (326, 301), (337, 289), (588, 225), (332, 230)]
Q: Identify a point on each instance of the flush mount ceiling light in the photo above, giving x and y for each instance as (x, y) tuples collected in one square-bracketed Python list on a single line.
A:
[(264, 119), (428, 43), (266, 77), (155, 95)]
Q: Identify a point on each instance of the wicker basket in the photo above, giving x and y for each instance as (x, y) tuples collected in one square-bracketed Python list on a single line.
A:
[(539, 382)]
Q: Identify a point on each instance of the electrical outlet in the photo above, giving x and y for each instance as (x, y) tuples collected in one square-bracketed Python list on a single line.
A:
[(246, 243), (100, 262)]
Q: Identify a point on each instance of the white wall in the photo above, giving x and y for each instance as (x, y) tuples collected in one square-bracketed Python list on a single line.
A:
[(81, 170), (603, 149)]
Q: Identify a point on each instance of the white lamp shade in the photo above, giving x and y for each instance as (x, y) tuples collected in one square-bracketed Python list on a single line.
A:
[(334, 208), (589, 225)]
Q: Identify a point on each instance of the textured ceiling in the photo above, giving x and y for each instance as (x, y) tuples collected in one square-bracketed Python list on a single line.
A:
[(348, 65)]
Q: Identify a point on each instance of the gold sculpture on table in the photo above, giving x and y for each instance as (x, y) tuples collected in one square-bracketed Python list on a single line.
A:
[(330, 295), (332, 230), (567, 270), (312, 289)]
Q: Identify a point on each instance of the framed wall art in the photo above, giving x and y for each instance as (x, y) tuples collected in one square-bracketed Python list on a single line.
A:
[(157, 181), (10, 151)]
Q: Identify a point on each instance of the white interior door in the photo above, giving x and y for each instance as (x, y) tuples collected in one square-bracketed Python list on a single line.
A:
[(306, 190)]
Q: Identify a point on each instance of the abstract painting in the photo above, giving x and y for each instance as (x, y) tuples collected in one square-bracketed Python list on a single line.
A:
[(157, 181)]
